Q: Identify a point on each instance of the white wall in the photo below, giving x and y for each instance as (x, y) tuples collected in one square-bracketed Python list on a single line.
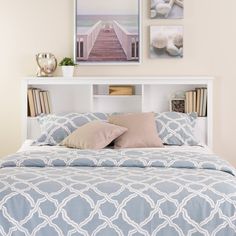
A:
[(32, 26)]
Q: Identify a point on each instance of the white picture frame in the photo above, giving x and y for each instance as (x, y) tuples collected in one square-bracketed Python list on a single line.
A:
[(130, 42), (166, 42), (167, 9)]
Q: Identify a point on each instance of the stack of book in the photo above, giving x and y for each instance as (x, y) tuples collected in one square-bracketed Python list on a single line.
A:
[(196, 101), (38, 102)]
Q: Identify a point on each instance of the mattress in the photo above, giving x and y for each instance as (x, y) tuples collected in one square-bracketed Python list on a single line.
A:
[(165, 191), (28, 145)]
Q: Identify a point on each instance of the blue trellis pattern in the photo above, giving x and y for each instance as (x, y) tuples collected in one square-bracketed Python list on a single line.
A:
[(176, 128), (55, 128), (116, 192)]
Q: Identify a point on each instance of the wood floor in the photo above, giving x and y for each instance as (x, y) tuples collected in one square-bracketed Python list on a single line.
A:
[(107, 47)]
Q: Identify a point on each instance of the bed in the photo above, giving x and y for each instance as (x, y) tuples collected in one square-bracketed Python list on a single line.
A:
[(168, 191), (180, 189)]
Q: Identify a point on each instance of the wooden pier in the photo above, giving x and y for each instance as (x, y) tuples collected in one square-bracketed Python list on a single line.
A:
[(107, 47), (107, 42)]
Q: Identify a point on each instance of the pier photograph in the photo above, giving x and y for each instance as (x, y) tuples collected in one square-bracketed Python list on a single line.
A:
[(107, 32)]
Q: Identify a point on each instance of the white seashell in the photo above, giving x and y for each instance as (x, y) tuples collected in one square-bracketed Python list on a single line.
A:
[(160, 41), (178, 39), (153, 13), (181, 52), (172, 49), (163, 9)]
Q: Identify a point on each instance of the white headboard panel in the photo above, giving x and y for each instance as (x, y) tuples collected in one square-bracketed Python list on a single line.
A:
[(90, 94)]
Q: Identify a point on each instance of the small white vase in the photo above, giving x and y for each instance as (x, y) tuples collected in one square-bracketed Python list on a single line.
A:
[(67, 71)]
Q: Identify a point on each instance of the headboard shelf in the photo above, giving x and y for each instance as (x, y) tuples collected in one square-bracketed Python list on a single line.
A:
[(91, 94), (117, 96)]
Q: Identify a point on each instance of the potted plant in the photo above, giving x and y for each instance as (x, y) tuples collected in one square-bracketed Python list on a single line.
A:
[(67, 66)]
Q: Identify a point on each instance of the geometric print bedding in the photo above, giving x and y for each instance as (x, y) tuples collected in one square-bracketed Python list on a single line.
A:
[(116, 192), (55, 128), (176, 128), (173, 128)]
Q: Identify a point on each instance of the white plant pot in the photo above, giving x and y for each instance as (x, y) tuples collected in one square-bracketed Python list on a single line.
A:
[(67, 71)]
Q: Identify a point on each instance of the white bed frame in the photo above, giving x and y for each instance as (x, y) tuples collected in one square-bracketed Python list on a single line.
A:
[(90, 94)]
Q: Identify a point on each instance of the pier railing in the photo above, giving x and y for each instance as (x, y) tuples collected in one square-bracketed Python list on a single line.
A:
[(129, 41), (85, 41)]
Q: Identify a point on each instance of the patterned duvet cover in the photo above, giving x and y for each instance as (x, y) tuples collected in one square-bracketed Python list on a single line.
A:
[(116, 192)]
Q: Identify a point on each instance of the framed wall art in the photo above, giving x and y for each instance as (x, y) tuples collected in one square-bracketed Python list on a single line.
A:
[(107, 31), (166, 42), (167, 9)]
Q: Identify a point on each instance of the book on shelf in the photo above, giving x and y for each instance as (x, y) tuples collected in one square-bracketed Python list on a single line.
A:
[(204, 103), (190, 101), (196, 101), (32, 111), (38, 102), (42, 102), (46, 102)]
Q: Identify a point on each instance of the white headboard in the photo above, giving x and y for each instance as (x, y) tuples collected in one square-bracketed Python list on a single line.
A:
[(90, 94)]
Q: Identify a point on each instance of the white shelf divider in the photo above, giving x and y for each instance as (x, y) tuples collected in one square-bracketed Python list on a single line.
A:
[(117, 96)]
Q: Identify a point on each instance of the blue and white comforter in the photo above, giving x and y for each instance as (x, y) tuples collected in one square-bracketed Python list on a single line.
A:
[(109, 192)]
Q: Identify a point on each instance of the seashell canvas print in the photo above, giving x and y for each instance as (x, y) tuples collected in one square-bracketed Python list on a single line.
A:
[(167, 9), (166, 41)]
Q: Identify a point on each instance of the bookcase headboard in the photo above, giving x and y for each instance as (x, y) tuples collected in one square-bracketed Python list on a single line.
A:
[(90, 94)]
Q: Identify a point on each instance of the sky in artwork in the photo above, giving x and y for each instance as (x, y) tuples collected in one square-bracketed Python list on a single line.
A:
[(107, 7)]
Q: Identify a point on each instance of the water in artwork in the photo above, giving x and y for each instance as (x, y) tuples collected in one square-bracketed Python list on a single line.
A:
[(129, 22)]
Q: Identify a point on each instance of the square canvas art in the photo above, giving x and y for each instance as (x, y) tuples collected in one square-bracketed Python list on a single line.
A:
[(167, 9), (107, 31), (166, 42)]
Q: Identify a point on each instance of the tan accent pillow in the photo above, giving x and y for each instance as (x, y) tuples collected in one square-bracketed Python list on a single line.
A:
[(141, 132), (93, 135)]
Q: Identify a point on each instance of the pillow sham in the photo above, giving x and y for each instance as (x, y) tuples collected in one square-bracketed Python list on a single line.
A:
[(176, 128), (93, 135), (141, 131), (55, 128)]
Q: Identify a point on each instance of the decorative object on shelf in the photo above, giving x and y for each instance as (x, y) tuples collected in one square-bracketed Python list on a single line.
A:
[(167, 9), (121, 90), (107, 38), (38, 102), (47, 64), (67, 66), (196, 101), (177, 102), (166, 41), (178, 105)]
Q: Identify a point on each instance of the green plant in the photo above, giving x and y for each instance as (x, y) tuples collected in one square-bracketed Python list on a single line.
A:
[(67, 62)]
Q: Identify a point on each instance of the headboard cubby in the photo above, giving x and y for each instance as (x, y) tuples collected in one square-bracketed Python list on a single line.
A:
[(91, 94)]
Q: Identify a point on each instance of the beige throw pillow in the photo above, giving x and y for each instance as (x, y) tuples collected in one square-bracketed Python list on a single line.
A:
[(141, 132), (93, 135)]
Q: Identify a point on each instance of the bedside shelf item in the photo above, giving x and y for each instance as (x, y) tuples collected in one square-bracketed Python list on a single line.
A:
[(196, 101), (117, 96), (91, 94), (38, 102), (115, 90), (177, 105)]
